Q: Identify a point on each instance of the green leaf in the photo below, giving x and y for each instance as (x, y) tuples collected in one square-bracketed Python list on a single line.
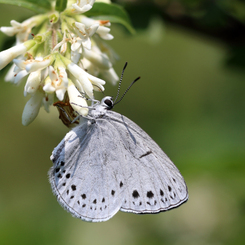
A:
[(112, 12), (38, 6), (60, 5)]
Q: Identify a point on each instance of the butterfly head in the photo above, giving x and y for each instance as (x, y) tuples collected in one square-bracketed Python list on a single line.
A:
[(107, 102)]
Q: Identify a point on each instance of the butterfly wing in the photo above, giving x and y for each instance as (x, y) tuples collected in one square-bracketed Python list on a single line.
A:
[(87, 174), (113, 164), (153, 183)]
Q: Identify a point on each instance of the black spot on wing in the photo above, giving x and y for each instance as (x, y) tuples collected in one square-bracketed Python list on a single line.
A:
[(135, 194), (150, 194)]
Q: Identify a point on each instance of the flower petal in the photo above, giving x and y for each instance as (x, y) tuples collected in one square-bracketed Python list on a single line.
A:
[(10, 76), (103, 32), (60, 93), (48, 88), (110, 76), (20, 76), (47, 101), (52, 73), (32, 82), (37, 65), (78, 103)]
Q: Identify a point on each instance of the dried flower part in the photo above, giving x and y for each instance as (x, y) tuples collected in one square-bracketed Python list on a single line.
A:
[(66, 113)]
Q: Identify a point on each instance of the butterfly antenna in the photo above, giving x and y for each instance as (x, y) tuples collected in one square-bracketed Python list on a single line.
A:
[(127, 90), (120, 82)]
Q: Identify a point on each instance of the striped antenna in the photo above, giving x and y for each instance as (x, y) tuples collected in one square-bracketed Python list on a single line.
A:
[(120, 82)]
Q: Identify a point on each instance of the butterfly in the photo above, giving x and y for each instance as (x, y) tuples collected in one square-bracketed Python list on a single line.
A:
[(108, 163)]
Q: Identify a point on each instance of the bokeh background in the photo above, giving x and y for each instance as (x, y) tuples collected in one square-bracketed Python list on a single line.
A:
[(191, 101)]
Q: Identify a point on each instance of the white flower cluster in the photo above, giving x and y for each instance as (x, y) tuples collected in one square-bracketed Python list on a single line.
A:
[(63, 60)]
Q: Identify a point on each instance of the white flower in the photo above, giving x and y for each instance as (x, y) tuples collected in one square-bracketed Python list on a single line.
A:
[(32, 83), (9, 54), (76, 43), (21, 64), (22, 30), (76, 100), (76, 48), (102, 30), (10, 74), (37, 65), (47, 101), (85, 79), (20, 75), (32, 65), (61, 61), (106, 49), (32, 108), (83, 6), (62, 45), (110, 76), (85, 33), (57, 82), (75, 56), (89, 67), (25, 67), (96, 62), (97, 58)]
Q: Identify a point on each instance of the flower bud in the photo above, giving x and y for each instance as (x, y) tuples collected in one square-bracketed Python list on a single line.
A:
[(9, 54), (32, 108)]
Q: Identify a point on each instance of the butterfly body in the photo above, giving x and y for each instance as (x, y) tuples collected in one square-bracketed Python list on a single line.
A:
[(108, 163)]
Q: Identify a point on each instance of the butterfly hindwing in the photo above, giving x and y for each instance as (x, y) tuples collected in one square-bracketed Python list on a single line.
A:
[(154, 184), (86, 178)]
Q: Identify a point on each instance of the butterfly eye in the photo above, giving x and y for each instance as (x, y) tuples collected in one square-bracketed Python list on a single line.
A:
[(108, 103)]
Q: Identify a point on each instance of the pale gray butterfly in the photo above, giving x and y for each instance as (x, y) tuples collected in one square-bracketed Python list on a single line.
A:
[(108, 163)]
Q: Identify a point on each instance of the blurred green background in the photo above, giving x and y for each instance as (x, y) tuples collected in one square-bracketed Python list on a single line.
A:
[(188, 100)]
